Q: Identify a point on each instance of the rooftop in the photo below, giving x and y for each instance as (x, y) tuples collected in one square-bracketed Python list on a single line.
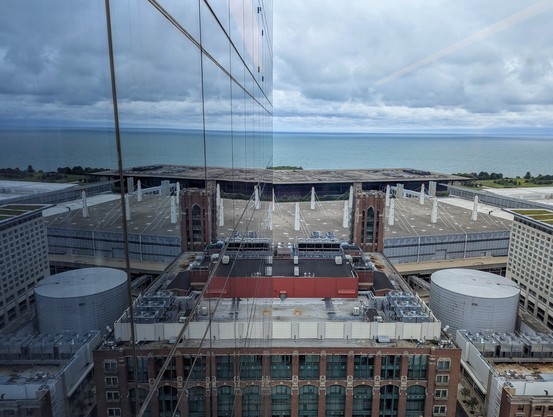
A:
[(302, 176), (12, 211), (539, 215)]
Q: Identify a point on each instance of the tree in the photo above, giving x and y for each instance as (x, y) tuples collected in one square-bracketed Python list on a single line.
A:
[(465, 392), (30, 169), (472, 403), (527, 176)]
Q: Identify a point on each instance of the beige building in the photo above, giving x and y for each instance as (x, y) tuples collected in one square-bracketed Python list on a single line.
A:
[(530, 261)]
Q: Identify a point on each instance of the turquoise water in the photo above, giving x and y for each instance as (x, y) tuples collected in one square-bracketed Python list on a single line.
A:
[(48, 149)]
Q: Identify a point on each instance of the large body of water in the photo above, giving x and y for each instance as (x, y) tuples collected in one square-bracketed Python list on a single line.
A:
[(48, 149)]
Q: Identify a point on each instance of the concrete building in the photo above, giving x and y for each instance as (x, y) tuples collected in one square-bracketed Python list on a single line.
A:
[(530, 261), (282, 334), (511, 372), (23, 257)]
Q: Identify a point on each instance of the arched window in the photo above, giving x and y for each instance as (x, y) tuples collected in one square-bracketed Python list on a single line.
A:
[(335, 400), (389, 400), (196, 402), (251, 401), (370, 226), (362, 227), (308, 401), (142, 394), (225, 401), (280, 401), (167, 398), (362, 401), (416, 396), (196, 224)]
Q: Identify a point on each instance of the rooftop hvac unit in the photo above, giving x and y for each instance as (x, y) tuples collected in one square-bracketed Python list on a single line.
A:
[(296, 271), (226, 259), (356, 311), (338, 260)]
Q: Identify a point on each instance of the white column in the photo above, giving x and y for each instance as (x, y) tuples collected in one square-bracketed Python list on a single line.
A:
[(345, 218), (388, 195), (350, 199), (178, 193), (432, 188), (434, 215), (139, 188), (474, 216), (270, 219), (312, 198), (257, 205), (221, 212), (173, 209), (297, 217), (218, 196), (421, 196), (273, 202), (85, 205), (392, 213), (128, 207)]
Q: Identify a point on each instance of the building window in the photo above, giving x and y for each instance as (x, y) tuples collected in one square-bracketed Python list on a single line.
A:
[(111, 381), (335, 400), (442, 379), (170, 372), (251, 401), (167, 399), (112, 395), (416, 396), (225, 401), (363, 367), (114, 412), (110, 366), (281, 367), (391, 367), (389, 400), (194, 368), (250, 367), (196, 402), (440, 394), (309, 367), (362, 401), (280, 401), (439, 410), (142, 394), (142, 374), (444, 364), (336, 366), (225, 367), (417, 367), (308, 401)]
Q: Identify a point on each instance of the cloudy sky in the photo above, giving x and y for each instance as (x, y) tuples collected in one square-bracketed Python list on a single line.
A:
[(403, 64), (360, 65)]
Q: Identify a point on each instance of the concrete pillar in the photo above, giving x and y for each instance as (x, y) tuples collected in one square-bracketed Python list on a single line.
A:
[(421, 195), (85, 205), (312, 207)]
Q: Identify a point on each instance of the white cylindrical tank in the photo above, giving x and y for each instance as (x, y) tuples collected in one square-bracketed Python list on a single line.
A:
[(81, 300), (466, 299)]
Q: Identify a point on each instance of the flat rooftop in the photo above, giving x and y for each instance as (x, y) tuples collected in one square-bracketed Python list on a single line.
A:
[(12, 211), (151, 216), (413, 219), (303, 176), (539, 215), (13, 189)]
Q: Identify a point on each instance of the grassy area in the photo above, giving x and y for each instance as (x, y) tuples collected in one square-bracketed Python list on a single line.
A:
[(48, 177), (519, 182)]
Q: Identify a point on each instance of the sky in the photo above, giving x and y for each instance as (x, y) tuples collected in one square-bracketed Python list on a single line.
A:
[(360, 65)]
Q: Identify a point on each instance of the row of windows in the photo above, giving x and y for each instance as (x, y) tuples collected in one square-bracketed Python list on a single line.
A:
[(308, 401), (250, 367)]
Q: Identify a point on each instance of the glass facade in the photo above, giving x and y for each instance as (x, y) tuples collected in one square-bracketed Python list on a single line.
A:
[(280, 401), (336, 366), (362, 401)]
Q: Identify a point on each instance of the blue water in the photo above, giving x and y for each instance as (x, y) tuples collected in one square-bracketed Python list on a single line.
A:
[(48, 149)]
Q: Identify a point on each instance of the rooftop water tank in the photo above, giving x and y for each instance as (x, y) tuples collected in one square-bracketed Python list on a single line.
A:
[(474, 300), (81, 300)]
